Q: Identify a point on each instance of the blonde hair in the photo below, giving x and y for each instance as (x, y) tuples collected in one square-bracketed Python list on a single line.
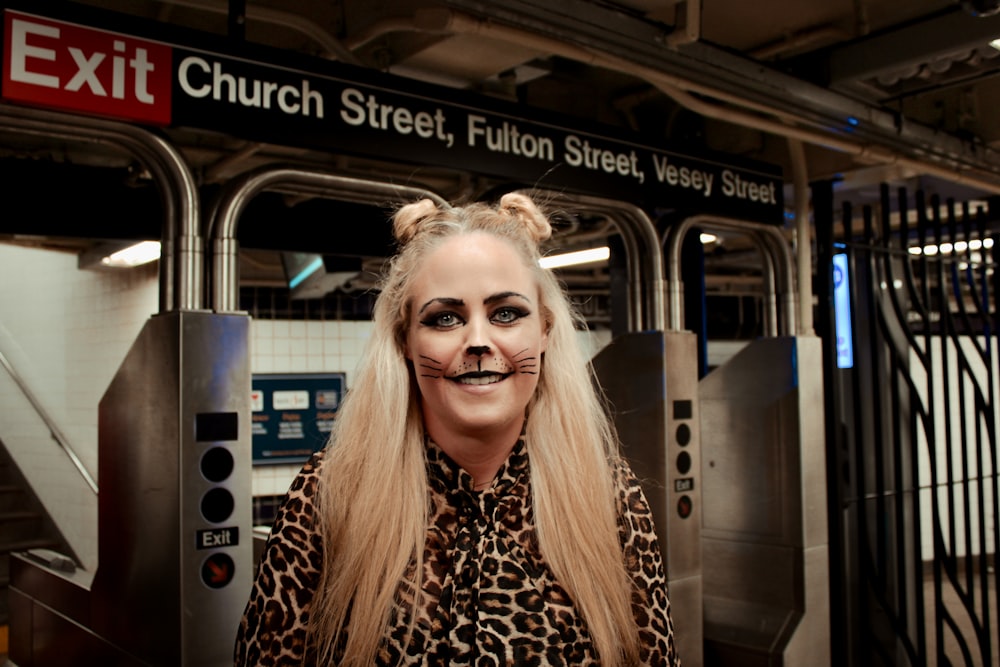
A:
[(373, 504)]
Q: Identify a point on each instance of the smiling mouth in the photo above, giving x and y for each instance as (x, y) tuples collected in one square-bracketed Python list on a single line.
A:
[(480, 378)]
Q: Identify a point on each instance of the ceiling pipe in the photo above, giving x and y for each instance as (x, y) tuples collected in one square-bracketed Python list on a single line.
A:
[(799, 42), (333, 49), (687, 24), (780, 123), (426, 20)]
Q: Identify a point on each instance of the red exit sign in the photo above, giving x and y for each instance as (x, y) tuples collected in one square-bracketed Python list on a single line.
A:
[(74, 68)]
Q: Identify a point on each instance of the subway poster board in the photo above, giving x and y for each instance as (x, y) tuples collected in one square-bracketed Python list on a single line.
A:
[(292, 414)]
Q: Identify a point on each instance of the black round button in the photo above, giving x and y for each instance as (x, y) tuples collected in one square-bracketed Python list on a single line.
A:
[(217, 464), (683, 463), (217, 505), (217, 570), (683, 435)]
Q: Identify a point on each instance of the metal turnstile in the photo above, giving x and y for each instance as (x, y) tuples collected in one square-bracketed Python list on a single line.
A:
[(765, 547), (174, 512), (651, 381), (764, 539), (174, 503), (650, 377), (175, 538)]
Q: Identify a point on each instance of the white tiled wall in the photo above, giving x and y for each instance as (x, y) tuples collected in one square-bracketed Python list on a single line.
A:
[(65, 332), (283, 346)]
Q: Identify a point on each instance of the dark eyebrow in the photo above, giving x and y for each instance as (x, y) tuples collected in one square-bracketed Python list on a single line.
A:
[(452, 301), (500, 296), (446, 300)]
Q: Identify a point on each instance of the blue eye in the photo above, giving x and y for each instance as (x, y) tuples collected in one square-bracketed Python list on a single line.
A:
[(508, 315), (444, 320)]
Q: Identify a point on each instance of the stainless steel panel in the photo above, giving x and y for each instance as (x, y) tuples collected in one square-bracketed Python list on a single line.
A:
[(149, 595), (687, 614), (764, 573), (765, 515), (651, 380)]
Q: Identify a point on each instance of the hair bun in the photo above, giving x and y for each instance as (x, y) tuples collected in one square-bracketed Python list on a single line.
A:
[(408, 219), (523, 208)]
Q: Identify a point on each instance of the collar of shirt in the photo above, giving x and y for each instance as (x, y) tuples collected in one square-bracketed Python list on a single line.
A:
[(447, 476)]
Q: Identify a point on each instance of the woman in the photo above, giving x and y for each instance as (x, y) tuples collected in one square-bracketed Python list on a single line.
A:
[(471, 507)]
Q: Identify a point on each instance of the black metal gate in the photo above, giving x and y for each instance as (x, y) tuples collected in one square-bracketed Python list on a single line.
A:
[(911, 429)]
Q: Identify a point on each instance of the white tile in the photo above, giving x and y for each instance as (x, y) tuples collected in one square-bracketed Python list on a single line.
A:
[(263, 328), (282, 347), (281, 328)]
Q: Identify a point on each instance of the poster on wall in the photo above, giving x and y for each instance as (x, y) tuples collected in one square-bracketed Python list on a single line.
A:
[(293, 414)]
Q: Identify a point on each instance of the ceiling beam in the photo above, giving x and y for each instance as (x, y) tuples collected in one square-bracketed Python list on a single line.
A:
[(911, 46)]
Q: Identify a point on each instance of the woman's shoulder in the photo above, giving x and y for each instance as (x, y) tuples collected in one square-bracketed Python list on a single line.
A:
[(626, 481), (297, 509)]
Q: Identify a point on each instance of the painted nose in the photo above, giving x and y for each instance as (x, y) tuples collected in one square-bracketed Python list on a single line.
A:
[(477, 350)]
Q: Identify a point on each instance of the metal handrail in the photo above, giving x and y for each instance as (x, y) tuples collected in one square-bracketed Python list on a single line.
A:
[(642, 250), (779, 266), (57, 435), (224, 218), (181, 268)]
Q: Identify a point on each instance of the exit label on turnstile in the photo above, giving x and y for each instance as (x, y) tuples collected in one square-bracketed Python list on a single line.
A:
[(217, 537), (684, 484)]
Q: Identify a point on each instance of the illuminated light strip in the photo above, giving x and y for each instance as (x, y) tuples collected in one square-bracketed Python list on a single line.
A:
[(594, 255), (311, 268), (134, 255), (573, 258), (946, 248)]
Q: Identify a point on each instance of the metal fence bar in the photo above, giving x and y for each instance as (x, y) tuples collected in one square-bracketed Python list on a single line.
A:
[(916, 452)]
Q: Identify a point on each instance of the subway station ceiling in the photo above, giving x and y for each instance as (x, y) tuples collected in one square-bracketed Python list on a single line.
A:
[(859, 92)]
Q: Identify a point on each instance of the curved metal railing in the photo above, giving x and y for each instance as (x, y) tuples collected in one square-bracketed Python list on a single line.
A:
[(294, 180), (181, 269), (779, 270), (642, 249)]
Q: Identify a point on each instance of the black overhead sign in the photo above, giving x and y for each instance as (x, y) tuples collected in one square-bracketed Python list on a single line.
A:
[(317, 104)]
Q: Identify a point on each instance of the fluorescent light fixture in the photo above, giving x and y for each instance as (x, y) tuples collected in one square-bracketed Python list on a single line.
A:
[(707, 238), (309, 269), (574, 258), (995, 44), (134, 255)]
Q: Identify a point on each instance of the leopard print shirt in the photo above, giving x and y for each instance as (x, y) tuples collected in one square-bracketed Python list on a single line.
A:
[(489, 597)]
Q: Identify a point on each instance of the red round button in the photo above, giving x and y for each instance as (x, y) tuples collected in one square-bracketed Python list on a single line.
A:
[(684, 507)]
